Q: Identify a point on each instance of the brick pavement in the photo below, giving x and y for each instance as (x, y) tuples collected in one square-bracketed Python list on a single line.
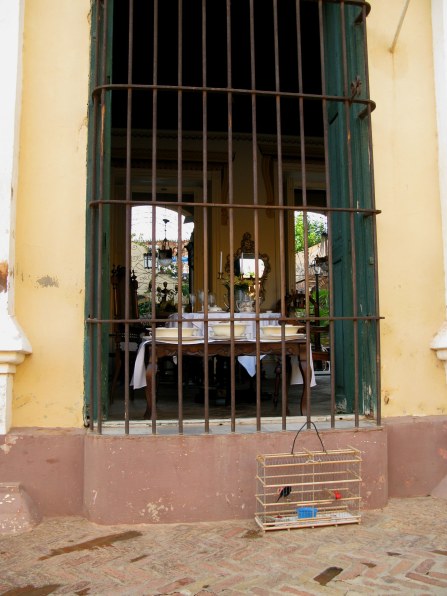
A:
[(401, 549)]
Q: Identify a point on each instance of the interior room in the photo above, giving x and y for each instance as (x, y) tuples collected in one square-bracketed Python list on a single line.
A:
[(217, 162)]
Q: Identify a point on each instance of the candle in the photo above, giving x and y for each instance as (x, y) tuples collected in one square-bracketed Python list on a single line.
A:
[(220, 264)]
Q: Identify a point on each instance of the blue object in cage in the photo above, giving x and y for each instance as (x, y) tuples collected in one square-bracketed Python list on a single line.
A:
[(306, 512)]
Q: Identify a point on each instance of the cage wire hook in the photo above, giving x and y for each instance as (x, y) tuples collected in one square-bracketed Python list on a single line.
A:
[(300, 429)]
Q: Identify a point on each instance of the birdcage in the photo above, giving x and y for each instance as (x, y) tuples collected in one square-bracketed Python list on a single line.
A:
[(308, 488)]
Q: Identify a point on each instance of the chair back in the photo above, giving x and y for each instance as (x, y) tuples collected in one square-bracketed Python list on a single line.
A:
[(118, 280)]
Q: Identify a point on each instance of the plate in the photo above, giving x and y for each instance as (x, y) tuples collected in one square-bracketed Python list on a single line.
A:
[(174, 340), (287, 337), (185, 340), (227, 337)]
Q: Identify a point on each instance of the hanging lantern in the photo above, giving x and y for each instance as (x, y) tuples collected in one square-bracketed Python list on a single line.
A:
[(165, 253), (147, 259)]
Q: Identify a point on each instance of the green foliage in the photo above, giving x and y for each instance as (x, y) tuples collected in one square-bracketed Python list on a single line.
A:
[(314, 230), (145, 309), (324, 305)]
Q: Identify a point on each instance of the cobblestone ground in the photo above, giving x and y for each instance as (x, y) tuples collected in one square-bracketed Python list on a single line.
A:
[(401, 549)]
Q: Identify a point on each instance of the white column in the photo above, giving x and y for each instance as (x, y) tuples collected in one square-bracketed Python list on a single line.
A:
[(439, 26), (13, 342)]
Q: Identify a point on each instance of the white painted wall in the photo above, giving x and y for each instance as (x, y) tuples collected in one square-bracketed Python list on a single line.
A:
[(439, 24), (13, 342)]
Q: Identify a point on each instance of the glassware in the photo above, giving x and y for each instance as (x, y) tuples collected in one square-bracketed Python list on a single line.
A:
[(192, 301), (211, 300), (201, 298), (246, 304)]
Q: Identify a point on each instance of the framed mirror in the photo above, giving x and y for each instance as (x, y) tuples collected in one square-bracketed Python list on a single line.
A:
[(245, 263)]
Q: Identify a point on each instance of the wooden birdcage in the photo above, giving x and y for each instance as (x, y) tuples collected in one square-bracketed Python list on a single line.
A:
[(308, 489)]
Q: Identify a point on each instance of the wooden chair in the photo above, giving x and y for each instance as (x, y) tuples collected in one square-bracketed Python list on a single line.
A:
[(118, 282), (320, 355)]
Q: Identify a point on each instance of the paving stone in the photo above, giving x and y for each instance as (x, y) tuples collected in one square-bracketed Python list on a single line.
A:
[(400, 549)]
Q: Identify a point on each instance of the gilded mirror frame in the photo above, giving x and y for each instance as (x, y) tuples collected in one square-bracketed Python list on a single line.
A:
[(248, 247)]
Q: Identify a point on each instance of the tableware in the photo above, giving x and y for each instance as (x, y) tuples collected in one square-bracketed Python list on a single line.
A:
[(276, 331), (201, 299), (186, 340), (224, 329), (173, 332), (192, 301), (277, 338), (211, 301), (225, 338), (245, 305)]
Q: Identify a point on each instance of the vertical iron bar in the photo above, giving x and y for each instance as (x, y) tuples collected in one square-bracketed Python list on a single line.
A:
[(328, 204), (282, 265), (205, 222), (100, 239), (307, 380), (179, 196), (256, 212), (128, 208), (231, 213), (347, 108), (154, 199), (374, 227), (93, 230)]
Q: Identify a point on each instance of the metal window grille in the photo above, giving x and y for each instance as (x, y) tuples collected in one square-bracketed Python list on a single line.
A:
[(177, 89)]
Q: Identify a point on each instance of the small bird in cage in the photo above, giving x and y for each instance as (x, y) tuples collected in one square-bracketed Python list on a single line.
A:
[(334, 494), (284, 492)]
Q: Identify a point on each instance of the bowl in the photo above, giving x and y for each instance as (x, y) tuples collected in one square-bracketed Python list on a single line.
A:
[(224, 329), (275, 330), (172, 332)]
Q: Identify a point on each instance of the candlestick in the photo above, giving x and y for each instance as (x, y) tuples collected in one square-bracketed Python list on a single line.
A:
[(220, 264)]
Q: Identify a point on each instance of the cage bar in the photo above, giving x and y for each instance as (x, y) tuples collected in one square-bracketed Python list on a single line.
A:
[(308, 489)]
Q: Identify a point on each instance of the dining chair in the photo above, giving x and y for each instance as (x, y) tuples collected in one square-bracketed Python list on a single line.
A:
[(118, 284)]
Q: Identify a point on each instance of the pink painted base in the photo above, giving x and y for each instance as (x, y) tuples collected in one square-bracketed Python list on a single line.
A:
[(167, 479)]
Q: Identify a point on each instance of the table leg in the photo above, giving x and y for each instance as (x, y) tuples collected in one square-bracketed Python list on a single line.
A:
[(304, 395), (148, 391), (277, 383), (278, 371)]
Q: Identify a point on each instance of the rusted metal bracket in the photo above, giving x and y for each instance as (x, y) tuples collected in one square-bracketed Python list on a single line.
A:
[(356, 87)]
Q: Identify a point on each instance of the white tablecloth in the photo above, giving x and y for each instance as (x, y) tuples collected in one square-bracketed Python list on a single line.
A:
[(248, 362), (193, 320)]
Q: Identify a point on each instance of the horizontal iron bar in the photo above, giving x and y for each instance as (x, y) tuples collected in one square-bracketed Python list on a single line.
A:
[(231, 90), (238, 206)]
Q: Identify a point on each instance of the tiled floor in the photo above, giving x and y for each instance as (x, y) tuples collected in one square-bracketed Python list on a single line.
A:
[(193, 401), (220, 414)]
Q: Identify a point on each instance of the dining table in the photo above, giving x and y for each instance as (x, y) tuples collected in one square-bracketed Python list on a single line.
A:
[(244, 349)]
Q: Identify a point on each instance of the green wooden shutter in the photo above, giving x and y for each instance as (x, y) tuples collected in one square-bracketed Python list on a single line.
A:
[(99, 167), (350, 186)]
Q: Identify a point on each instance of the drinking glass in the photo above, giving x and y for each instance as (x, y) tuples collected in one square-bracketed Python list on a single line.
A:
[(211, 300), (192, 301), (201, 298)]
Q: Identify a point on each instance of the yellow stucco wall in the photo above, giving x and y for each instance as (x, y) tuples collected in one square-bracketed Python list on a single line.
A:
[(50, 251), (407, 192)]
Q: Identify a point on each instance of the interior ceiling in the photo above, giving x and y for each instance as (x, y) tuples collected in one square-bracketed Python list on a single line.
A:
[(216, 56)]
